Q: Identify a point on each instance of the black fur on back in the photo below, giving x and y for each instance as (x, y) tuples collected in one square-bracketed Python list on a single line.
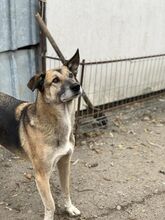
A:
[(9, 126)]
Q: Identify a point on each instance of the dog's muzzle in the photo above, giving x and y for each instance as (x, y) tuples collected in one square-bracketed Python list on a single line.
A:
[(72, 91)]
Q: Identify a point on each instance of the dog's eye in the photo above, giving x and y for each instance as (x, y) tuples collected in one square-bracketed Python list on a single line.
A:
[(70, 75), (56, 80)]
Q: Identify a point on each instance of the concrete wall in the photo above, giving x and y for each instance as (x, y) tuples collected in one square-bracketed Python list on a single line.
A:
[(109, 28), (112, 29)]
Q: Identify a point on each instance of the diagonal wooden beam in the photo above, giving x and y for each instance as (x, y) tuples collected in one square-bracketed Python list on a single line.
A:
[(45, 30)]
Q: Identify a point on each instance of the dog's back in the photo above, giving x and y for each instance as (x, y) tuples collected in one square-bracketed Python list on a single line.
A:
[(9, 126)]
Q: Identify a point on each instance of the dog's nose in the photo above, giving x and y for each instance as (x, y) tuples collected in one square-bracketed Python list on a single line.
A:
[(75, 87)]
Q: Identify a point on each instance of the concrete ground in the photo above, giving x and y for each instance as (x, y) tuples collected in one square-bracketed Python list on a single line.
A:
[(118, 173)]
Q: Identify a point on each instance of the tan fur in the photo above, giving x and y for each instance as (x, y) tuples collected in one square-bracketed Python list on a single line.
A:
[(19, 110), (48, 139)]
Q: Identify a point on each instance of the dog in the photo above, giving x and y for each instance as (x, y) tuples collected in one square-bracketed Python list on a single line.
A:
[(43, 130)]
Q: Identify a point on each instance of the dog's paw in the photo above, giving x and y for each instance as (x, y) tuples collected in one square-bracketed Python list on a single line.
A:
[(73, 211), (49, 215)]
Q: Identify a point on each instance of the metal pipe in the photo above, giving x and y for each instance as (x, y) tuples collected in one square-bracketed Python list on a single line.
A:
[(114, 61)]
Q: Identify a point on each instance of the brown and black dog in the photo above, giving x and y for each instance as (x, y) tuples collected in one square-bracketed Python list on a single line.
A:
[(44, 129)]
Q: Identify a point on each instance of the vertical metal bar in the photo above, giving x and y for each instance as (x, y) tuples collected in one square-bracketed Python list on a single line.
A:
[(148, 82), (100, 83), (77, 115), (43, 47), (142, 68), (81, 83), (105, 85), (50, 61), (162, 80), (139, 80), (89, 84), (120, 95), (110, 83), (132, 81), (153, 74), (160, 73), (95, 83), (115, 82), (157, 75), (137, 77), (156, 69), (125, 81), (129, 79)]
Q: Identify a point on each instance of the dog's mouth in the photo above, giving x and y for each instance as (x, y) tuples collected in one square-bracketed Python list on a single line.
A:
[(67, 97)]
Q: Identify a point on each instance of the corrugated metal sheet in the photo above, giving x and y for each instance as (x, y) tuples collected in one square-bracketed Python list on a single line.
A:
[(17, 24), (16, 68)]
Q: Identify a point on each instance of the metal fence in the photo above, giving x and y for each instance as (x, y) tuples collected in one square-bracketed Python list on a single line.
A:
[(112, 83)]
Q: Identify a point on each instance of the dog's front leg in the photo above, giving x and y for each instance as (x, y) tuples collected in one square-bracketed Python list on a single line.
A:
[(64, 173), (42, 182)]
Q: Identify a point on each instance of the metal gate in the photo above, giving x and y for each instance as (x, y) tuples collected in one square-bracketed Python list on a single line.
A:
[(110, 84)]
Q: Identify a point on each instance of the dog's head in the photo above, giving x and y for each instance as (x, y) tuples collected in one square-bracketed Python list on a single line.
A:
[(58, 85)]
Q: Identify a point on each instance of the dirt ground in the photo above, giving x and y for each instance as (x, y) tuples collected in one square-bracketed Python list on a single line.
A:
[(117, 173)]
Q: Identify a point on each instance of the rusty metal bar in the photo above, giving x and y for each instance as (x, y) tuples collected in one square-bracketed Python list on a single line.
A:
[(79, 102), (114, 61), (125, 59), (43, 47), (81, 83), (52, 58)]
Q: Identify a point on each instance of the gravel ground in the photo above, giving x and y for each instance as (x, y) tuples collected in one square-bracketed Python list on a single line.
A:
[(118, 173)]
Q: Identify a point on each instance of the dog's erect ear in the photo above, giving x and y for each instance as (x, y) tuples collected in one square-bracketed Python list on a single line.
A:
[(36, 82), (74, 62)]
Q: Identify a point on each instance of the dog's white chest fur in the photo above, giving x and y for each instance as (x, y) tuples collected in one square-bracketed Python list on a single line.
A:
[(66, 146), (67, 117)]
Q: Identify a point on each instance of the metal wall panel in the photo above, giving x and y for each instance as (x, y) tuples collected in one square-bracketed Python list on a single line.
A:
[(17, 24), (16, 68)]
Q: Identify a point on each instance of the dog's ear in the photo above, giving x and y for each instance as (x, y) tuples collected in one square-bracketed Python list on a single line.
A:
[(37, 82), (74, 62)]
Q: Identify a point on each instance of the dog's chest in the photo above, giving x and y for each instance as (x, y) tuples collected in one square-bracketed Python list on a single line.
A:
[(65, 146), (61, 134), (66, 125)]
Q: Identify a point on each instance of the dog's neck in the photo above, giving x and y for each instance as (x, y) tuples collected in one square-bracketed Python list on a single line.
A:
[(52, 111)]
